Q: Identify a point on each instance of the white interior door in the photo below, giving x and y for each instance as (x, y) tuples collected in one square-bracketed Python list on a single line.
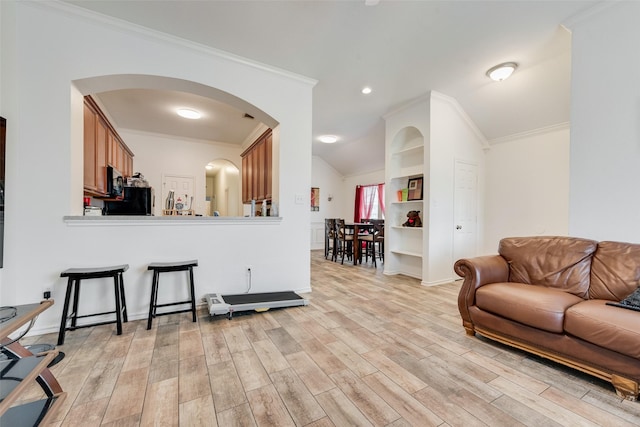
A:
[(183, 187), (465, 210)]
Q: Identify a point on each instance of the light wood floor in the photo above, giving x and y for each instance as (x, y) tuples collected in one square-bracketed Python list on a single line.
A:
[(370, 349)]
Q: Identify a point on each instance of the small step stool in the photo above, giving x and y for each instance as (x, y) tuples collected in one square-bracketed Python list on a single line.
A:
[(76, 275), (165, 267)]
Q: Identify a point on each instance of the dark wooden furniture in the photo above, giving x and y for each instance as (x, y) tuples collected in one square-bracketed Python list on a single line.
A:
[(22, 367), (330, 243), (165, 267), (359, 230), (75, 276), (375, 235)]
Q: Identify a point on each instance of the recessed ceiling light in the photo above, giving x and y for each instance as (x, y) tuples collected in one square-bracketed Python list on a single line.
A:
[(209, 167), (328, 139), (188, 113), (502, 71), (366, 90)]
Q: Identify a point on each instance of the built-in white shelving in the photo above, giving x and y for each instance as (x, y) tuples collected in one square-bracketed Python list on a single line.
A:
[(405, 160)]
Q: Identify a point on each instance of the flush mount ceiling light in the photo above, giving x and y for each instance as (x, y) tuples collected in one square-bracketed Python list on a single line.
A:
[(366, 90), (209, 167), (188, 113), (328, 139), (502, 71)]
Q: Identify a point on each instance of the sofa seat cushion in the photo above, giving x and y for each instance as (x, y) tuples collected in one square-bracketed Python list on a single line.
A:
[(535, 306), (610, 327)]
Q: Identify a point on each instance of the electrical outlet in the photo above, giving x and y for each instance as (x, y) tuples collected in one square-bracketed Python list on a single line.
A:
[(46, 294)]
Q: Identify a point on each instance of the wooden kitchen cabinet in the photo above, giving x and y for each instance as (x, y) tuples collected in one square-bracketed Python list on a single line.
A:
[(101, 156), (257, 170), (90, 118), (102, 147)]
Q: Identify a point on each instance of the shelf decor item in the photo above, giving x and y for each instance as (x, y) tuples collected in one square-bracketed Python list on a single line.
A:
[(405, 194), (415, 189), (413, 219)]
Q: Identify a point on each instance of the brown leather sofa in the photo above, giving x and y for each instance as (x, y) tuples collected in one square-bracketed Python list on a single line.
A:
[(548, 295)]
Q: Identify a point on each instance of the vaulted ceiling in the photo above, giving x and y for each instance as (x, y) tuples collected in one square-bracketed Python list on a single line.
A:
[(401, 49)]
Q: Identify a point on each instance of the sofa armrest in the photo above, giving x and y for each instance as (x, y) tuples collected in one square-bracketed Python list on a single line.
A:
[(476, 272)]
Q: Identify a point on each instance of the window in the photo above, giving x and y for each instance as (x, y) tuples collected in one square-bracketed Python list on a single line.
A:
[(369, 203)]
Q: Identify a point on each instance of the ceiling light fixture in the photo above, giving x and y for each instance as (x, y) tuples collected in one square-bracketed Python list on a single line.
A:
[(502, 71), (366, 90), (328, 139), (188, 113), (209, 167)]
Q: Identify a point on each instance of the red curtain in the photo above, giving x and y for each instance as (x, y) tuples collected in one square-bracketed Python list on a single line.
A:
[(365, 200), (357, 209)]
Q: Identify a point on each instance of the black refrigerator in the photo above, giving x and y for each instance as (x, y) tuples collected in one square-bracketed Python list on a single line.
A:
[(135, 201)]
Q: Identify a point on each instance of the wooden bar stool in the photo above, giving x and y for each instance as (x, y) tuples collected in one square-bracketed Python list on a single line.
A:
[(164, 267), (75, 276)]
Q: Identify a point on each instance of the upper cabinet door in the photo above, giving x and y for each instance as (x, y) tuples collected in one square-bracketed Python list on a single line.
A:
[(256, 170), (101, 156), (89, 149)]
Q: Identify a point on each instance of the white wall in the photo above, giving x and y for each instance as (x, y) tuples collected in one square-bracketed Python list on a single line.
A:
[(50, 45), (605, 125), (527, 187), (155, 155), (330, 183), (453, 137)]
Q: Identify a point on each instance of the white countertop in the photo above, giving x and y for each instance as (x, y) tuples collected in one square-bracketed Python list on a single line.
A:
[(140, 220)]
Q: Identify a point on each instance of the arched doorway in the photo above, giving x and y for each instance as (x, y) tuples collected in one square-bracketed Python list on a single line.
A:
[(222, 188)]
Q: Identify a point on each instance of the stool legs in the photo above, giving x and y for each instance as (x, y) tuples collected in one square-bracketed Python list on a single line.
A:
[(154, 298), (153, 301), (193, 293), (116, 288), (65, 312), (72, 298), (125, 317)]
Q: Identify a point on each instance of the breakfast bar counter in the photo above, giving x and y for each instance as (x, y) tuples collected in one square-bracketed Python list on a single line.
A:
[(142, 220)]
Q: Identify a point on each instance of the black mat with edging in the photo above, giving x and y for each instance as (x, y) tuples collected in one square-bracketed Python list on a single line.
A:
[(260, 297)]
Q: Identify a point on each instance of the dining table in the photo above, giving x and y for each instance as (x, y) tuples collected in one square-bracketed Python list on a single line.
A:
[(358, 228)]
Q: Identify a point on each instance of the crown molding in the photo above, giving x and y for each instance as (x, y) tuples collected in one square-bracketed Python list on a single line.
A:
[(140, 31), (530, 133)]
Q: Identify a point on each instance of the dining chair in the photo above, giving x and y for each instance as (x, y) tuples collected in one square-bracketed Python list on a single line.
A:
[(344, 239), (329, 237), (375, 236)]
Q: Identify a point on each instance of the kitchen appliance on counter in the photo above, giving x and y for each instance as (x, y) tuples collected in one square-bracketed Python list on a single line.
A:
[(135, 201), (92, 211), (115, 182)]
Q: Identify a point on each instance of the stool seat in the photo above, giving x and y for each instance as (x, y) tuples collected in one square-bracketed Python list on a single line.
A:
[(72, 297), (95, 272), (172, 266), (166, 267)]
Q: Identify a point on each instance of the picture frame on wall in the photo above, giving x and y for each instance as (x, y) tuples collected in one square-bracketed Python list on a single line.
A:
[(415, 189), (315, 199)]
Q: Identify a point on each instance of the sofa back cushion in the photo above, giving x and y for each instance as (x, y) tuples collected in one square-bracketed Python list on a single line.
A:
[(615, 271), (562, 263)]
